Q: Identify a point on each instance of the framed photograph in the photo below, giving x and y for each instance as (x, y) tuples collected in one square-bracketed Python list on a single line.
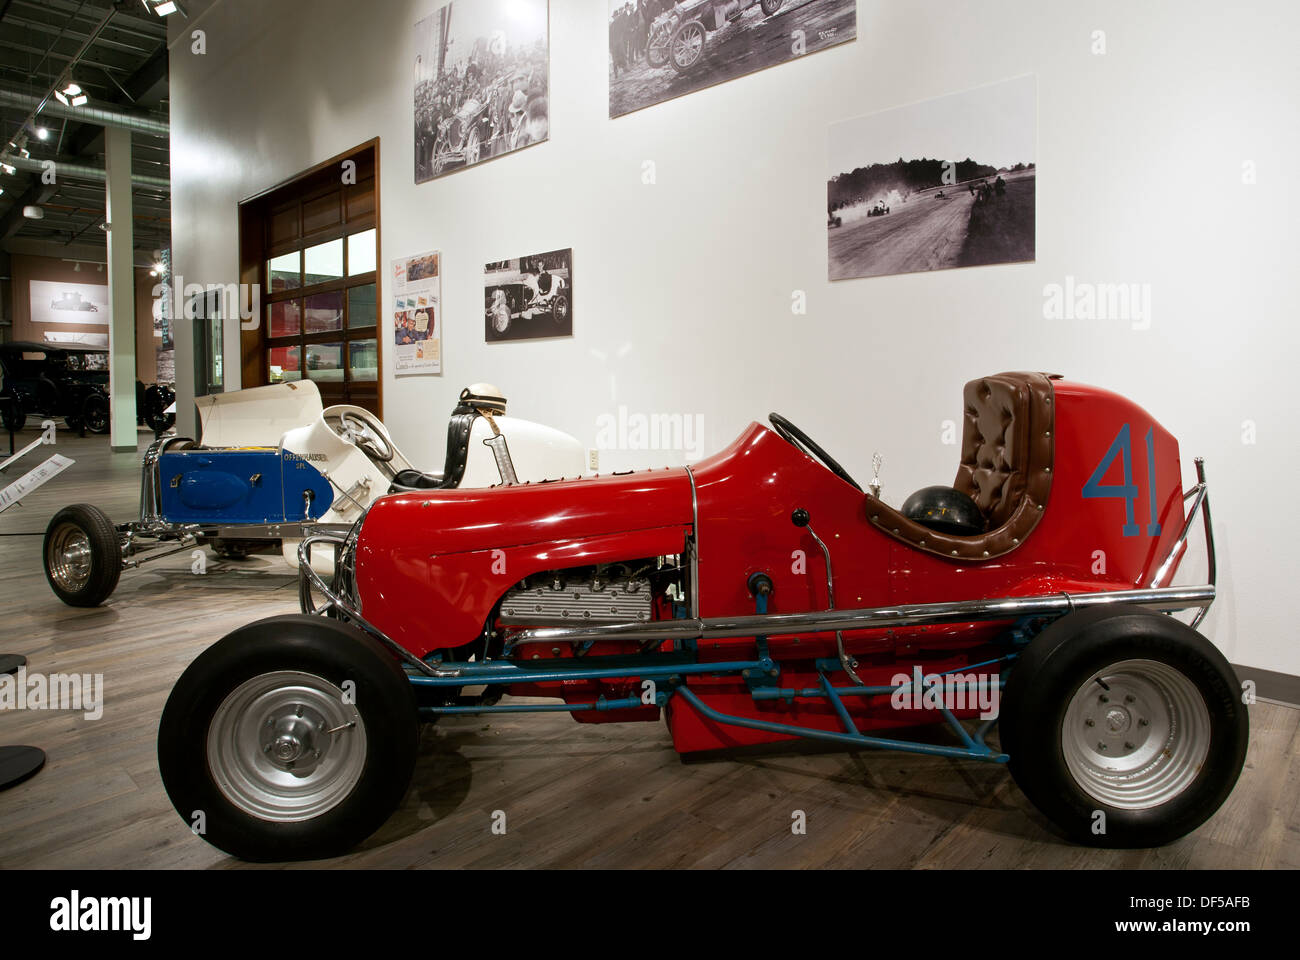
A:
[(57, 302), (482, 73), (529, 298), (661, 49), (943, 183)]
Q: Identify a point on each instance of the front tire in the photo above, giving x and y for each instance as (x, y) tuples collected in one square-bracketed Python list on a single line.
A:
[(292, 738), (1124, 727), (656, 52), (770, 7), (11, 411), (83, 555)]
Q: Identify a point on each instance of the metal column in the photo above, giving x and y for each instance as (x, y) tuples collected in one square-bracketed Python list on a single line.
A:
[(121, 288)]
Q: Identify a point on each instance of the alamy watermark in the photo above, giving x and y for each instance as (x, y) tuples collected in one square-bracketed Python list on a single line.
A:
[(184, 300), (1078, 300), (677, 432), (946, 691), (55, 691)]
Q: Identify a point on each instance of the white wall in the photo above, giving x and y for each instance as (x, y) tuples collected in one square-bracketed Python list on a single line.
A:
[(683, 288)]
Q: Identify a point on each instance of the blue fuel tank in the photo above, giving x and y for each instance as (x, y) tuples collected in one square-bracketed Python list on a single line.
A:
[(253, 485)]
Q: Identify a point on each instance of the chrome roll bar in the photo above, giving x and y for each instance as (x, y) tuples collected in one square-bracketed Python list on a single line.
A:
[(1200, 497), (1166, 599)]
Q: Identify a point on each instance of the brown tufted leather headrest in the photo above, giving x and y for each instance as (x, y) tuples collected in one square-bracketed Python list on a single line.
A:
[(1006, 468)]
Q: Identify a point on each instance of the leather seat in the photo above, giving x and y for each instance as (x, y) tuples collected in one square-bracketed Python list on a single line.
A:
[(415, 480), (1006, 468)]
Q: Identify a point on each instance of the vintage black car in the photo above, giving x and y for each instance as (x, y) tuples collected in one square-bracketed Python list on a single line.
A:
[(45, 380), (41, 379)]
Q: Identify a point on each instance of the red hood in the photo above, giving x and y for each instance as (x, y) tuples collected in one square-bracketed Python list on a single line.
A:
[(457, 521)]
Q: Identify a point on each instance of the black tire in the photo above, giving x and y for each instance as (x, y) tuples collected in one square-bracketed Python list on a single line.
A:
[(94, 413), (82, 554), (770, 7), (326, 650), (560, 309), (158, 421), (12, 413), (1058, 668)]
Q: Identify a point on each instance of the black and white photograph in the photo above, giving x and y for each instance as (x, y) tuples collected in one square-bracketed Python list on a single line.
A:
[(944, 183), (661, 49), (529, 298), (482, 76), (56, 302)]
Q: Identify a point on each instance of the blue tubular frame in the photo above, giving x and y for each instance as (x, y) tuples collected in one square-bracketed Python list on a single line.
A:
[(675, 668)]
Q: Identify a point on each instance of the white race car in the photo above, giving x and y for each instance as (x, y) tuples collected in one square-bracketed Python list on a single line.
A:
[(273, 466)]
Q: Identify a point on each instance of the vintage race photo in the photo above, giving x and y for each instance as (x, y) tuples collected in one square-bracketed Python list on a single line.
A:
[(659, 49), (528, 298), (944, 183), (481, 82)]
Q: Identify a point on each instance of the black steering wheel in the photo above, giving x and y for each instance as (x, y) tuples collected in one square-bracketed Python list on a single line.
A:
[(804, 443)]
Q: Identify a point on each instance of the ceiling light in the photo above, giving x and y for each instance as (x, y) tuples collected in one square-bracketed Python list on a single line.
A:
[(42, 133), (166, 8), (159, 268), (8, 169), (33, 213), (71, 95)]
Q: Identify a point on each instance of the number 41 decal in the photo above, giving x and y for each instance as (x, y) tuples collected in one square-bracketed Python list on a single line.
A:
[(1122, 447)]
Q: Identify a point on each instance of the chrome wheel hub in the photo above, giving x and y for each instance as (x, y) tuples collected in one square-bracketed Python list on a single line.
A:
[(285, 747), (1136, 734), (68, 556)]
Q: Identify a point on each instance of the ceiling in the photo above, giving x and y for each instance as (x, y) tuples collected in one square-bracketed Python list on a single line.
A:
[(124, 69)]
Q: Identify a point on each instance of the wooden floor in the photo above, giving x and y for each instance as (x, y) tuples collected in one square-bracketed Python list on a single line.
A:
[(574, 795)]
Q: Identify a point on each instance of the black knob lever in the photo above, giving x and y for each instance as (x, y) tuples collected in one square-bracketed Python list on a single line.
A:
[(800, 517)]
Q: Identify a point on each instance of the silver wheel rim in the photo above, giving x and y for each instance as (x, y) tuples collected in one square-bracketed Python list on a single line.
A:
[(284, 747), (1136, 734), (68, 556)]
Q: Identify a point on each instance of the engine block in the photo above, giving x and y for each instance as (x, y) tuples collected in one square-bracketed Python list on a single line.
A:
[(625, 600)]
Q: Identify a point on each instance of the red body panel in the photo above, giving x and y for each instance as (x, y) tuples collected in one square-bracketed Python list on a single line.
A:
[(431, 566)]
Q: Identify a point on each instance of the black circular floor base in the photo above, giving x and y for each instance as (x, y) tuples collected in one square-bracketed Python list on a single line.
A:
[(19, 763), (10, 662)]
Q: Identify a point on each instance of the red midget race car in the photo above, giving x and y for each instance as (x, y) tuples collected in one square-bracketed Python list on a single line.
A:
[(759, 595)]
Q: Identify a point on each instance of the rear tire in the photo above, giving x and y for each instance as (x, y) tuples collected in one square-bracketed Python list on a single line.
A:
[(687, 45), (83, 555), (253, 738), (560, 309), (94, 413), (1128, 714)]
